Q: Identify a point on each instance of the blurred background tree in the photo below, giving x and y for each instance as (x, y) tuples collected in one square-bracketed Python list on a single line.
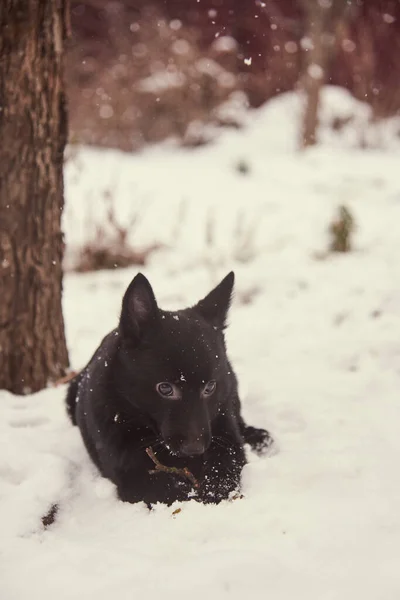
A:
[(140, 71)]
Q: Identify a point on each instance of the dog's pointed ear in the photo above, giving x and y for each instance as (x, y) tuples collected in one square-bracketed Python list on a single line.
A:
[(139, 308), (214, 307)]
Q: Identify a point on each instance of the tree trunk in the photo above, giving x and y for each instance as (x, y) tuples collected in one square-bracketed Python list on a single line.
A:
[(322, 19), (33, 131)]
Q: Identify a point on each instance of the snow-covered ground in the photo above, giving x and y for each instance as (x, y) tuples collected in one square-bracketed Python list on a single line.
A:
[(315, 340)]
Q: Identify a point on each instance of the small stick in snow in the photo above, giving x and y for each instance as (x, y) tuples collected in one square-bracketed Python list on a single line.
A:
[(49, 518), (66, 378), (160, 468)]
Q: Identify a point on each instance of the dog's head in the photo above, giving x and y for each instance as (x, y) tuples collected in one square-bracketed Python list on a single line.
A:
[(175, 363)]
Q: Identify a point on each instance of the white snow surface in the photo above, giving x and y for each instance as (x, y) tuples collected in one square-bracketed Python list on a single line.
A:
[(315, 341)]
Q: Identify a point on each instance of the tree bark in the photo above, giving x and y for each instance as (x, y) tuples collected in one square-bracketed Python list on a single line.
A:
[(33, 131)]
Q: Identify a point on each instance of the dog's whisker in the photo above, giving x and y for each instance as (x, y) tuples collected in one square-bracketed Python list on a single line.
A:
[(154, 442), (224, 443)]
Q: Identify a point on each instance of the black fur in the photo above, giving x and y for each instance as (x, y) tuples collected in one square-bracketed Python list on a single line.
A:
[(115, 402)]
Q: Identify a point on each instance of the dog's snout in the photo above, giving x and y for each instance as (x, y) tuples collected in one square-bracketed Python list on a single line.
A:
[(192, 448)]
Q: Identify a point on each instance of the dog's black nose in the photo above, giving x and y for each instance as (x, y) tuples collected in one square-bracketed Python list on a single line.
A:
[(192, 448)]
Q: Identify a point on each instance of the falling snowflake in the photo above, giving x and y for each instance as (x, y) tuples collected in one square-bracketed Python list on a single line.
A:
[(306, 43), (388, 18), (225, 44), (348, 45), (106, 111), (181, 47), (315, 71), (175, 24), (291, 47)]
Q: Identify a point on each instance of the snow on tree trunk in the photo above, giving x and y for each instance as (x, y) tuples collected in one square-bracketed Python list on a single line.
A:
[(33, 135)]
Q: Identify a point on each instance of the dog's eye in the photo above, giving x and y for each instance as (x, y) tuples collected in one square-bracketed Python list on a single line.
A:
[(209, 388), (165, 389)]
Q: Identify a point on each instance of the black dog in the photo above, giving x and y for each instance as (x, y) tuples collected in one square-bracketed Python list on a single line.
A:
[(162, 380)]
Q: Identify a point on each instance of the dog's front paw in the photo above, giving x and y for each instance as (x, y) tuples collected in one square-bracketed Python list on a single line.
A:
[(260, 440), (214, 491)]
